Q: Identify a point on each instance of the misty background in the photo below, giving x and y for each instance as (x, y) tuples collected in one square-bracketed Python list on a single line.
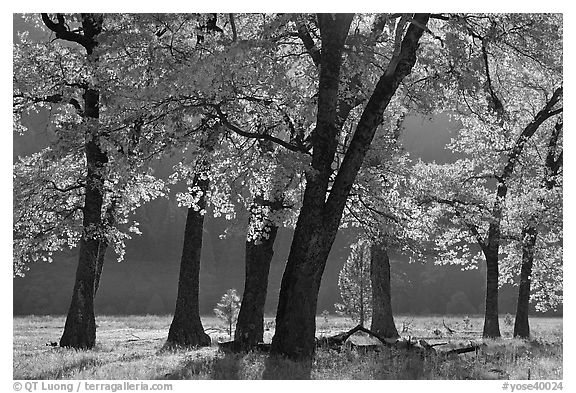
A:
[(146, 281)]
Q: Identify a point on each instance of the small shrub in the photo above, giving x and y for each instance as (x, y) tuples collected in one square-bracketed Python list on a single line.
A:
[(228, 309), (467, 323)]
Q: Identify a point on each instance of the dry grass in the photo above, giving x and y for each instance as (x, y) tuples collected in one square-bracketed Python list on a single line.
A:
[(130, 347)]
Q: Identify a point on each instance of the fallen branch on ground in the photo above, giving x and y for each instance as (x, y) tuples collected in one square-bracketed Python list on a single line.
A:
[(337, 342), (450, 330)]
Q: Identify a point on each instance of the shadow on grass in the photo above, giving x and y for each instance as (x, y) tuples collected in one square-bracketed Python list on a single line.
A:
[(277, 367), (208, 367)]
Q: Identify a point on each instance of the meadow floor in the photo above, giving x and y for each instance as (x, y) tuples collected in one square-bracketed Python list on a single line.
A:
[(130, 347)]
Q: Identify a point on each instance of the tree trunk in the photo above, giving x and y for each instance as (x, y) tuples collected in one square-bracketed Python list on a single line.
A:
[(521, 325), (80, 327), (296, 314), (259, 253), (492, 245), (491, 323), (382, 318), (530, 234), (320, 215), (186, 328)]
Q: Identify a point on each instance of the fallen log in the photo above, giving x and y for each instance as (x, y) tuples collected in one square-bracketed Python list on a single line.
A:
[(337, 341)]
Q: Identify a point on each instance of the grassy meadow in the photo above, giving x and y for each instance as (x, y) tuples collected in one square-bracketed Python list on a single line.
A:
[(131, 347)]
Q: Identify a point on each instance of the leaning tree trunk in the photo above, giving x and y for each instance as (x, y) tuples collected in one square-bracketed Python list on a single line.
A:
[(320, 215), (80, 327), (382, 318), (530, 234), (521, 325), (186, 328), (259, 253), (492, 245), (296, 314)]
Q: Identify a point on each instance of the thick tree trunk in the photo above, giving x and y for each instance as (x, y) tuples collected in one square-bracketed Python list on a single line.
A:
[(186, 328), (296, 314), (80, 327), (320, 216), (259, 253), (382, 318), (491, 323), (521, 325)]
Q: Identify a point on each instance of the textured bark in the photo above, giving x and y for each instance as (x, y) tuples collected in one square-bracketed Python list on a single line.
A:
[(382, 318), (80, 327), (319, 217), (186, 329), (521, 325), (491, 324), (295, 317), (259, 253)]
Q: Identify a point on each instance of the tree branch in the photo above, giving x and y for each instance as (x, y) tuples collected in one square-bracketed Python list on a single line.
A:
[(544, 114), (233, 26), (225, 122), (379, 212), (471, 227), (372, 115), (309, 44), (66, 189), (62, 31), (52, 99)]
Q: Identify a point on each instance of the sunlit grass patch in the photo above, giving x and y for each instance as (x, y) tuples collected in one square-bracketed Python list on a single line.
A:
[(131, 347)]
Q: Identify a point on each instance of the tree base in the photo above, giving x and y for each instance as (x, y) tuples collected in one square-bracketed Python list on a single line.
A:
[(187, 339), (78, 341)]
